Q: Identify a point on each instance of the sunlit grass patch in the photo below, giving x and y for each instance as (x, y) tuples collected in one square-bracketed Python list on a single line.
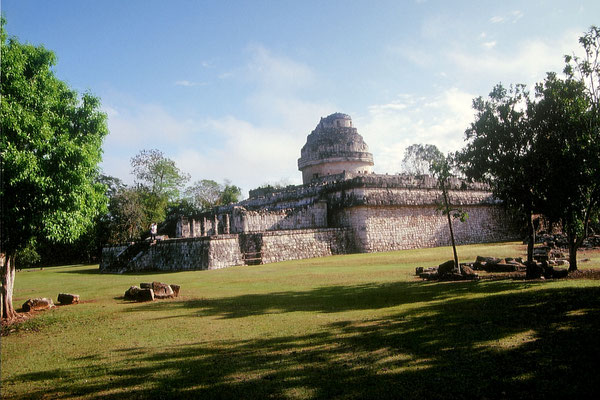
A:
[(352, 326)]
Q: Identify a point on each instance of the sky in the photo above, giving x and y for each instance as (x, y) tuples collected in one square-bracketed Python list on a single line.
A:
[(230, 89)]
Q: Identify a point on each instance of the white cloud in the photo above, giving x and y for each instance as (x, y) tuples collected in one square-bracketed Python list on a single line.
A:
[(277, 73), (511, 17), (389, 128), (189, 83), (527, 63), (489, 45), (248, 152)]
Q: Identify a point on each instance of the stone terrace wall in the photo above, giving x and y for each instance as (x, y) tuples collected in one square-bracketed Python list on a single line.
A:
[(311, 216), (387, 228), (308, 243), (177, 255), (228, 250)]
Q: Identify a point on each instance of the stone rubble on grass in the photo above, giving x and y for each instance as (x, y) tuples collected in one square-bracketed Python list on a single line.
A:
[(38, 304), (150, 291), (446, 272), (544, 267), (67, 298)]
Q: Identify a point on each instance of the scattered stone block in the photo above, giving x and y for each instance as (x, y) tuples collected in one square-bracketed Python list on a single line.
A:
[(146, 285), (534, 270), (418, 271), (38, 304), (175, 289), (67, 298), (559, 273), (137, 294), (131, 293), (446, 268), (162, 290), (429, 275), (145, 295), (468, 272)]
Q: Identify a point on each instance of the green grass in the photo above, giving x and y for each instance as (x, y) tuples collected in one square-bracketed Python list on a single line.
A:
[(354, 326)]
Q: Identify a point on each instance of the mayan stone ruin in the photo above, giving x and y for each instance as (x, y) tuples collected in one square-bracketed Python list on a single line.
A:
[(342, 207)]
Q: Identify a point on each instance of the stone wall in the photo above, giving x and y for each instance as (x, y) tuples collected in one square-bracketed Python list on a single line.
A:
[(386, 228), (221, 251), (335, 215), (309, 243)]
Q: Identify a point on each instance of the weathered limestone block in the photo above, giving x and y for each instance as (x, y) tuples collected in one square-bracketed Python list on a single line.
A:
[(137, 294), (38, 304), (66, 298), (446, 268), (175, 289), (162, 290)]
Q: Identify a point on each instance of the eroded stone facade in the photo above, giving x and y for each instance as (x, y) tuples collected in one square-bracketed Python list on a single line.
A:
[(333, 213)]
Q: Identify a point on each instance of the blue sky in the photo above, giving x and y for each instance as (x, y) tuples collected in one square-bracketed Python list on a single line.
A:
[(231, 89)]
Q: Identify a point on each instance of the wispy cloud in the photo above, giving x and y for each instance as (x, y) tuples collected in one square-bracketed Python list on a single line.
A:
[(186, 83), (512, 17), (440, 119), (526, 62), (489, 45), (250, 153)]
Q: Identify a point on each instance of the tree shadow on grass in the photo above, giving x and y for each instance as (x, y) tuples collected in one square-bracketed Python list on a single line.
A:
[(510, 344), (332, 299)]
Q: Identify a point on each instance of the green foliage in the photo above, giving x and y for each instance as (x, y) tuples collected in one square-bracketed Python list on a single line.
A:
[(27, 256), (50, 148), (441, 167), (158, 182), (543, 154), (230, 194), (418, 158), (206, 194), (158, 174), (128, 219)]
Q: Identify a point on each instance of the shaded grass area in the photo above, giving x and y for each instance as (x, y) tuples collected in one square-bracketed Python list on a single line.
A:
[(341, 327)]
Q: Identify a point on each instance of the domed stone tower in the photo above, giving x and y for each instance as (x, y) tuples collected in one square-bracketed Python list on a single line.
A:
[(333, 147)]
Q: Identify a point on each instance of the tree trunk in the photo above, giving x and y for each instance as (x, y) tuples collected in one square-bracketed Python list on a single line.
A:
[(456, 264), (573, 245), (531, 238), (7, 272)]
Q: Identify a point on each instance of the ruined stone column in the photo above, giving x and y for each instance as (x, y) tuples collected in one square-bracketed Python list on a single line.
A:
[(193, 228), (216, 224), (227, 227)]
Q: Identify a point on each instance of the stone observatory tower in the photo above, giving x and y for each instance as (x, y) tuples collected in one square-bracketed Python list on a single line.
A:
[(333, 147)]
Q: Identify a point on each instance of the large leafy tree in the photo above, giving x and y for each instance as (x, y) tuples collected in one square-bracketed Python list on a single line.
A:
[(158, 180), (543, 154), (567, 119), (204, 194), (500, 151), (50, 147), (418, 158)]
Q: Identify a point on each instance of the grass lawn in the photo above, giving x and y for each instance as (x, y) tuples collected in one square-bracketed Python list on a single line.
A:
[(353, 326)]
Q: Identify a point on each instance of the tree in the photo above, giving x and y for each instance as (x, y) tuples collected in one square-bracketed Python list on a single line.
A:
[(419, 157), (570, 153), (50, 149), (230, 194), (127, 216), (500, 151), (204, 194), (441, 168), (543, 154), (158, 180)]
